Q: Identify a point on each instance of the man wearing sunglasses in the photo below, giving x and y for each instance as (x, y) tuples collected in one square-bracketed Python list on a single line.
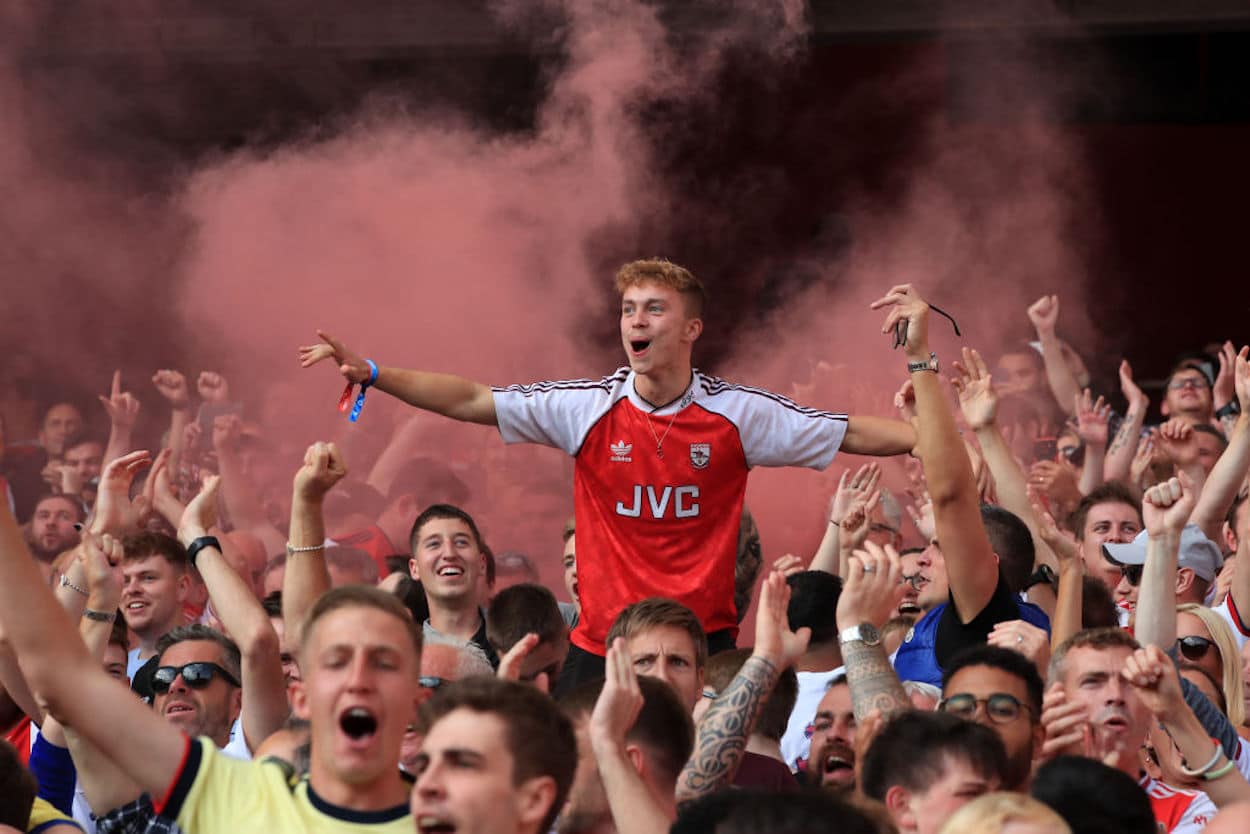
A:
[(196, 686), (1197, 564), (1001, 689)]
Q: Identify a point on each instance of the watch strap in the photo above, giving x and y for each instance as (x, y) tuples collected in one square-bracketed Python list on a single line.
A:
[(930, 364), (194, 548), (99, 616)]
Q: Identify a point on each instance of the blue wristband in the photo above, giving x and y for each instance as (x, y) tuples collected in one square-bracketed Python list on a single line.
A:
[(373, 373)]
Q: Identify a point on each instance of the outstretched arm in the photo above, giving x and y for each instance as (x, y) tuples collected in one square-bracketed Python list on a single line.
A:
[(873, 590), (264, 688), (721, 737), (76, 690), (1165, 509), (1044, 314), (1229, 472), (1151, 673), (978, 400), (306, 575), (1119, 458), (878, 436), (970, 561), (635, 808), (446, 394)]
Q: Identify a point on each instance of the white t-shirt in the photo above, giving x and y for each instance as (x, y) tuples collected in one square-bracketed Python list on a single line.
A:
[(796, 743), (134, 663)]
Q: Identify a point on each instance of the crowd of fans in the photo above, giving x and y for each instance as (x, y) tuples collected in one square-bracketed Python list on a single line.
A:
[(1041, 629)]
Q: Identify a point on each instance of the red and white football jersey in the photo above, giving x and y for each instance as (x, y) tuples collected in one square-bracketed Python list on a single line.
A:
[(1178, 811), (658, 491)]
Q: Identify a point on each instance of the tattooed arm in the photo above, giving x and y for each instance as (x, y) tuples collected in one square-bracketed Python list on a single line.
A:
[(873, 589), (721, 738), (1124, 445)]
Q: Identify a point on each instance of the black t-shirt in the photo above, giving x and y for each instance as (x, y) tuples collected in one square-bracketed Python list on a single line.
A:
[(953, 636)]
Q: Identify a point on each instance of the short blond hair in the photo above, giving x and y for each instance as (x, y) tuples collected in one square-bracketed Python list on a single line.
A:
[(667, 274), (988, 814)]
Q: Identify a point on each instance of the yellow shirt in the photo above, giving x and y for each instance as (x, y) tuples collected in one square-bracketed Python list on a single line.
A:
[(215, 794), (43, 815)]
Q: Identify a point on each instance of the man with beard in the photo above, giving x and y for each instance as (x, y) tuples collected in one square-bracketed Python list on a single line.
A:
[(813, 603), (1002, 690), (51, 530), (832, 765), (658, 744)]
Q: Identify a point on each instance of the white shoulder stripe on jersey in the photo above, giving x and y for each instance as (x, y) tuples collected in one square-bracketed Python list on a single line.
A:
[(606, 384), (713, 386)]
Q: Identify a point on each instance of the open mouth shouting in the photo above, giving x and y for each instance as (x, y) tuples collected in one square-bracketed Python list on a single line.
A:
[(434, 824), (836, 764), (359, 724), (638, 347)]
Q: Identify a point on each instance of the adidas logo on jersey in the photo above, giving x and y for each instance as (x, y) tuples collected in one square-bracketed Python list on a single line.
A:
[(621, 451)]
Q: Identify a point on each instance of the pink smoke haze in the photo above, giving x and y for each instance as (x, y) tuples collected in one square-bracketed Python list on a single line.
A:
[(425, 242), (423, 239)]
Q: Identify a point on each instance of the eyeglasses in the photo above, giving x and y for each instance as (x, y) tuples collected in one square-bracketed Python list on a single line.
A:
[(916, 580), (1187, 382), (196, 675), (1000, 707), (431, 682), (1194, 647)]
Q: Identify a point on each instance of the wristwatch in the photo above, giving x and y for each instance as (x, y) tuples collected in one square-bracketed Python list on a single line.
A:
[(1230, 409), (100, 616), (194, 548), (865, 633), (930, 364)]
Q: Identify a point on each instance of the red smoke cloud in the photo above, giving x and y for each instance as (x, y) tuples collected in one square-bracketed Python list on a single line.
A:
[(425, 241)]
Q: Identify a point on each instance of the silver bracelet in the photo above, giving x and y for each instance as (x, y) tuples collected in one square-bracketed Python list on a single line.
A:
[(65, 583), (291, 549)]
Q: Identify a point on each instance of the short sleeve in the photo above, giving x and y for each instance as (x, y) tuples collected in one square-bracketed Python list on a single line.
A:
[(211, 790), (776, 431), (558, 414)]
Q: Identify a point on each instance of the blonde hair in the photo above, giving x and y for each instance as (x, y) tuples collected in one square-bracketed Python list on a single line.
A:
[(988, 814), (1230, 658), (667, 274)]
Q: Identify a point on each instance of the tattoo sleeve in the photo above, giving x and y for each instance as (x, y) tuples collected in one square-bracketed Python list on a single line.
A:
[(1123, 446), (721, 737), (873, 681)]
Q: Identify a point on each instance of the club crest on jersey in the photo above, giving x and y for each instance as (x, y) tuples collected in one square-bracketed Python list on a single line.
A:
[(621, 451), (700, 455)]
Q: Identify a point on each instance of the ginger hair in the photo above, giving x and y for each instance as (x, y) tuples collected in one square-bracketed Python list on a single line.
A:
[(666, 274)]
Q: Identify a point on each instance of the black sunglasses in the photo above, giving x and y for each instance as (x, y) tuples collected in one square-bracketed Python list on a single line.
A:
[(1130, 572), (1194, 647), (196, 675), (1000, 707)]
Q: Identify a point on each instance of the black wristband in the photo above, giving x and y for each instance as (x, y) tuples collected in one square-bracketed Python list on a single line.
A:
[(194, 548), (1230, 409)]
